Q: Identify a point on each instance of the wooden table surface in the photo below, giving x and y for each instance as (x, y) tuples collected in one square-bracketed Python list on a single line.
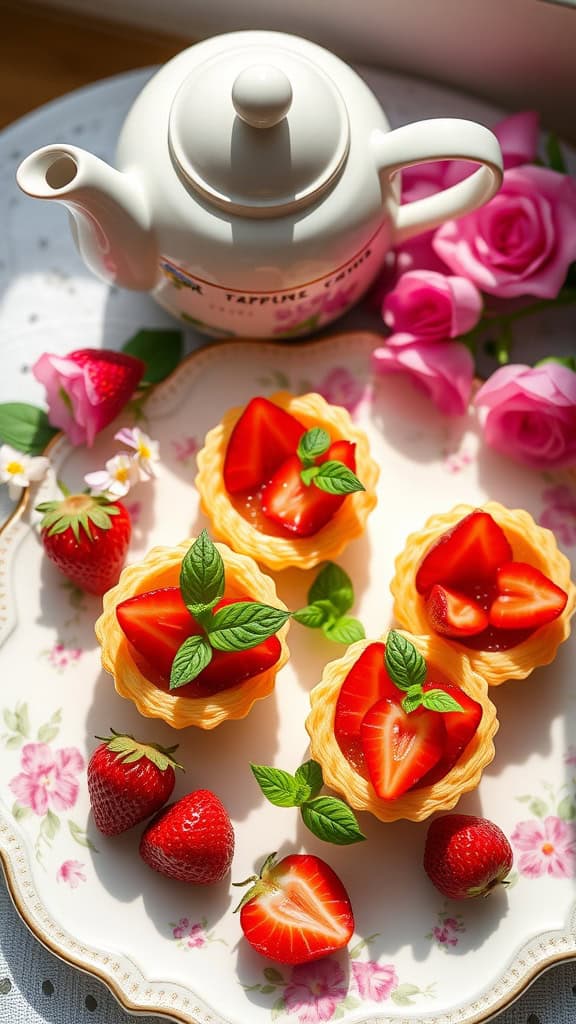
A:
[(45, 53)]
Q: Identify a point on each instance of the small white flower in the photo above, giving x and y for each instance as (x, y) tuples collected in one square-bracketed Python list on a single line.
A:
[(18, 470), (120, 474), (147, 450)]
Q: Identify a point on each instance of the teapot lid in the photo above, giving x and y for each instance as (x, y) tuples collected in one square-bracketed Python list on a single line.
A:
[(259, 131)]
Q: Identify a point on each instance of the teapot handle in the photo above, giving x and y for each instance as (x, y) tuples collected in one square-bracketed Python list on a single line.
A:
[(440, 139)]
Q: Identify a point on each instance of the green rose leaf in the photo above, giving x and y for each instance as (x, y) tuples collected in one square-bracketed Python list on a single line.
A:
[(244, 624), (279, 787), (312, 444), (345, 630), (193, 656), (202, 575), (25, 427), (334, 585), (310, 775), (568, 361), (159, 348), (335, 478), (438, 700), (404, 664), (554, 155), (312, 615), (332, 820)]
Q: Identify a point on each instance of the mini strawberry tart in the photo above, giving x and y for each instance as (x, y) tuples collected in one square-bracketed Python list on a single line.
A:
[(288, 480), (193, 634), (401, 726), (492, 584)]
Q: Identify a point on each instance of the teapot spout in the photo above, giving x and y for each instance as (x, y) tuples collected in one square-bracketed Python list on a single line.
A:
[(108, 212)]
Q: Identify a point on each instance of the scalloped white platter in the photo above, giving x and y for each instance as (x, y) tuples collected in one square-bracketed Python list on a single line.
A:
[(176, 950)]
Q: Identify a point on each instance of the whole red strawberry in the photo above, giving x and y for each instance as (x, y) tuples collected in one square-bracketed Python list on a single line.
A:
[(128, 781), (192, 840), (466, 856), (86, 536)]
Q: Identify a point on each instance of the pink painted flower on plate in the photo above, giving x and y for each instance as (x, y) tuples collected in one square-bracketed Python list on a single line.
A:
[(315, 990), (522, 241), (49, 778), (428, 306), (443, 370), (373, 980), (60, 656), (192, 934), (340, 387), (184, 448), (530, 413), (559, 513), (71, 872), (546, 847)]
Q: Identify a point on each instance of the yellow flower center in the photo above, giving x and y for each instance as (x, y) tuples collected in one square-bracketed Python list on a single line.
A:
[(547, 848), (143, 450), (14, 468), (121, 474)]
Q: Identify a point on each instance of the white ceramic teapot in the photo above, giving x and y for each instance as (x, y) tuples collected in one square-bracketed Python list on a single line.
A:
[(257, 191)]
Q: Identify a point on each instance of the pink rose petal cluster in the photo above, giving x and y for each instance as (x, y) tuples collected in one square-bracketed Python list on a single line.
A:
[(442, 371), (530, 414), (314, 991), (49, 778)]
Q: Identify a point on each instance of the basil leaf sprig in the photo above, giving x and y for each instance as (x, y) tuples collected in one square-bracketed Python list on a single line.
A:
[(236, 627), (407, 670), (329, 598), (331, 476), (326, 817)]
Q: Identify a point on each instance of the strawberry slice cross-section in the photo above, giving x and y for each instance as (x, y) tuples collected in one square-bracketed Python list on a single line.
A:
[(526, 599), (303, 509), (366, 683), (400, 748), (264, 437), (454, 614), (465, 556)]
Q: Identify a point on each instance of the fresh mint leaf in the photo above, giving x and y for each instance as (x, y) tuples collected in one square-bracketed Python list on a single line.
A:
[(307, 475), (345, 630), (335, 478), (332, 820), (313, 443), (333, 584), (279, 787), (412, 701), (310, 774), (242, 625), (25, 427), (160, 349), (312, 615), (404, 664), (202, 575), (193, 656), (439, 700)]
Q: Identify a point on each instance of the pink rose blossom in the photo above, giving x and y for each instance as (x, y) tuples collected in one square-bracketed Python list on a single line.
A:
[(559, 514), (340, 387), (373, 980), (522, 241), (546, 847), (428, 306), (314, 991), (443, 370), (48, 779), (518, 138), (531, 413), (71, 872)]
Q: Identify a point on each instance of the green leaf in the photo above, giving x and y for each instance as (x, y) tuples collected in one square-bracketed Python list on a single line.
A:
[(404, 664), (334, 585), (568, 361), (279, 787), (567, 809), (332, 820), (312, 615), (242, 625), (47, 733), (202, 575), (401, 995), (277, 1010), (412, 701), (193, 656), (160, 349), (538, 807), (345, 630), (20, 812), (308, 473), (439, 700), (25, 427), (273, 976), (10, 720), (310, 774), (335, 478), (13, 742), (312, 444), (554, 155), (79, 836), (266, 989), (50, 825)]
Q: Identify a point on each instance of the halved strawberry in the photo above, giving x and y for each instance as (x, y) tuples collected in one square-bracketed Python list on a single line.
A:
[(460, 727), (299, 508), (454, 614), (527, 599), (157, 623), (297, 910), (399, 747), (366, 683), (263, 437), (467, 555)]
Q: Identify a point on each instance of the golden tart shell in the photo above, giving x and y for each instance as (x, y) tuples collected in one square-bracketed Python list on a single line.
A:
[(530, 543), (444, 665), (161, 568), (280, 552)]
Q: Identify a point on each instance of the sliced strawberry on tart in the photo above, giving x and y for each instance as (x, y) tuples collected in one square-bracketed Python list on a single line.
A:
[(288, 480), (401, 727), (490, 581), (193, 634)]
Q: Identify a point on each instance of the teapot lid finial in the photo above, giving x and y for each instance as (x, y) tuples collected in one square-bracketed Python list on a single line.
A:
[(259, 131)]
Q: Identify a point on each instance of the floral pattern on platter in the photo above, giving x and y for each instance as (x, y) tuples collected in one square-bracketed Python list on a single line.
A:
[(184, 449), (321, 991), (193, 934), (47, 784), (559, 513), (71, 872), (60, 657), (339, 386), (545, 845), (447, 929)]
